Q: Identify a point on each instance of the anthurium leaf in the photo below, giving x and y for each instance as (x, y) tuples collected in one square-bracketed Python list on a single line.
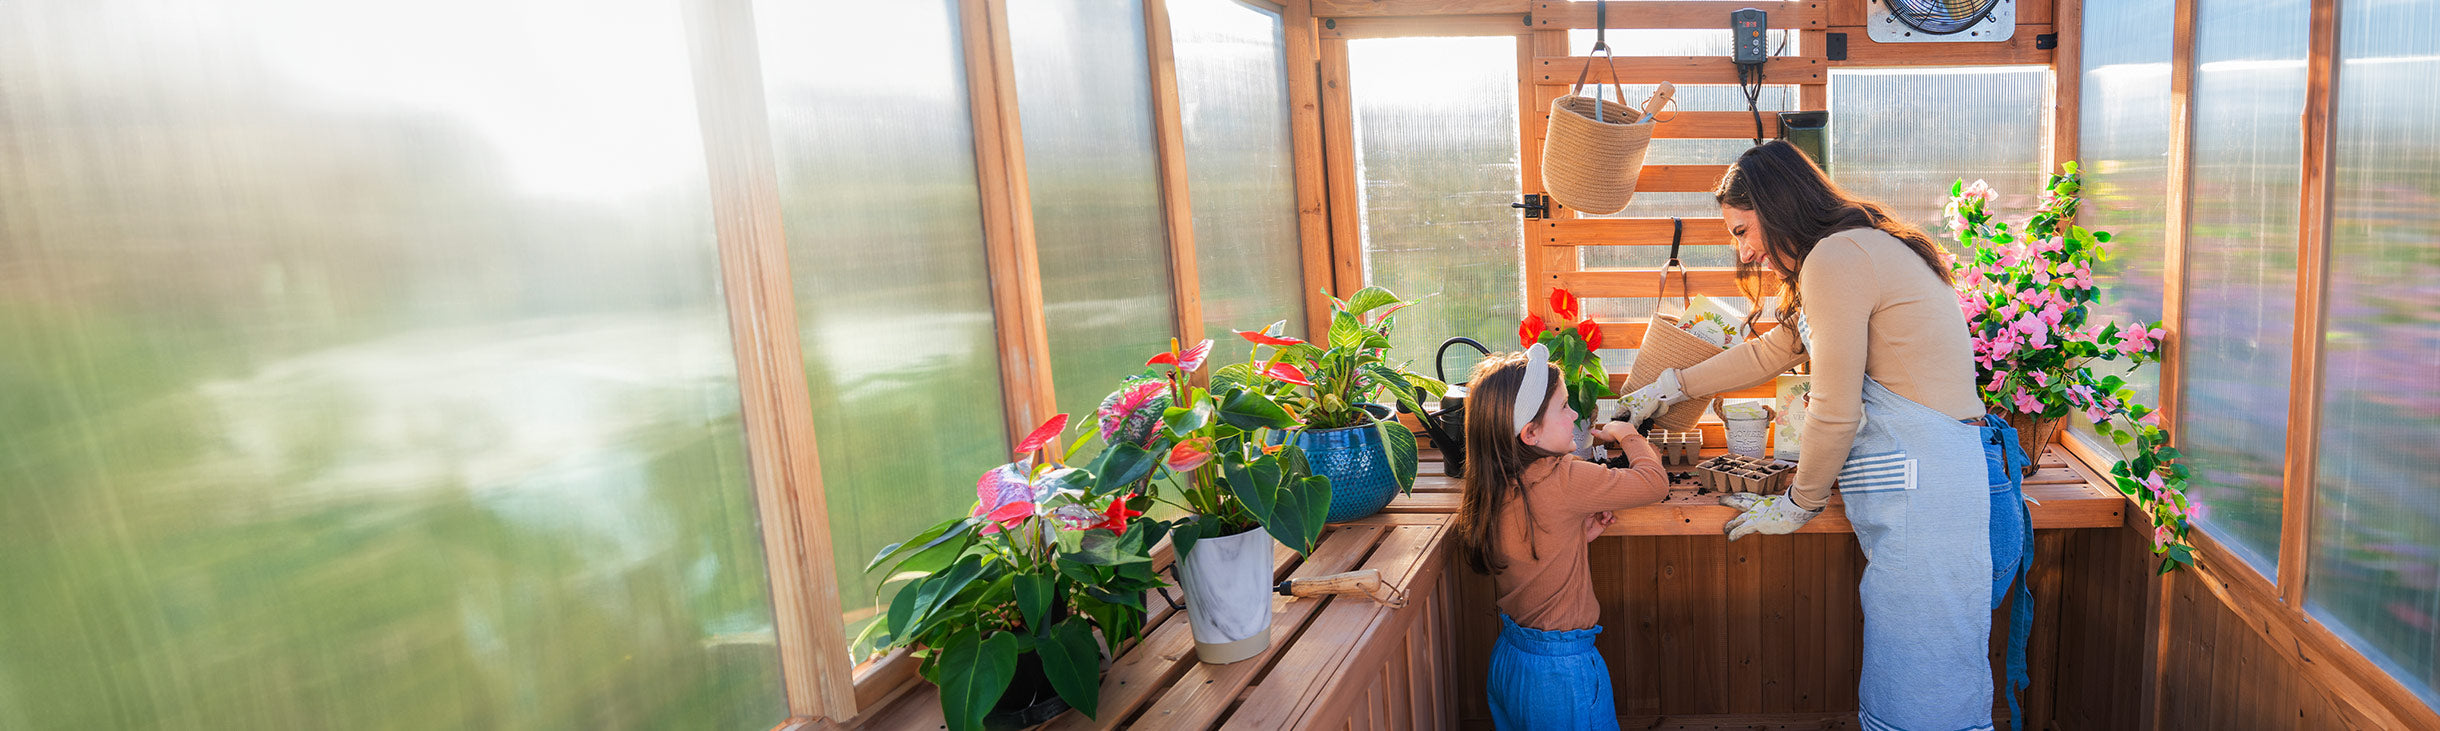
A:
[(1033, 597), (1302, 506), (1399, 447), (1184, 421), (939, 556), (1249, 410), (1233, 375), (973, 674), (902, 615), (1073, 661), (938, 590), (1257, 497), (943, 532), (1121, 465), (1183, 535), (1098, 548)]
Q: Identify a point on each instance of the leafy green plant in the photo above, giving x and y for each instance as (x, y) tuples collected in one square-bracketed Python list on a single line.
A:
[(1050, 555), (1217, 459), (2027, 292), (1575, 349), (1330, 384)]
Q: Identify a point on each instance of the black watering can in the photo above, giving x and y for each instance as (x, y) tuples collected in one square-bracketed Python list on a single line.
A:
[(1447, 426)]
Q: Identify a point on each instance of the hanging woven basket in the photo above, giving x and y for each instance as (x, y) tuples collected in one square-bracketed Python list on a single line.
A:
[(1595, 147), (1665, 347)]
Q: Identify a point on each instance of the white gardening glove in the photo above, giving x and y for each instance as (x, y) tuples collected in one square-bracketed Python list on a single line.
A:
[(1772, 514), (1653, 398)]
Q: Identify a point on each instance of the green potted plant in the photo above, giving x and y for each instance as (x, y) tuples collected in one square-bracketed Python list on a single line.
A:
[(1003, 605), (1576, 350), (1238, 487), (1335, 389)]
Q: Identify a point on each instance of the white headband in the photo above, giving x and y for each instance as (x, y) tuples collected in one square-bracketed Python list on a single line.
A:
[(1537, 378)]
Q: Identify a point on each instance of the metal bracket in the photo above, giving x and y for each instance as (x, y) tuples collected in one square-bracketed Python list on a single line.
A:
[(2046, 41), (1836, 46), (1536, 206)]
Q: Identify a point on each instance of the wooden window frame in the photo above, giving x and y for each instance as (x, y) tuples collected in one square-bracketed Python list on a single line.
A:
[(824, 689)]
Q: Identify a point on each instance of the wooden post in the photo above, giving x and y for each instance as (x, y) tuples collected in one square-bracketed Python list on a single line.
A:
[(1338, 133), (2067, 83), (2312, 302), (1008, 217), (776, 406), (2157, 604), (1305, 136), (1169, 136)]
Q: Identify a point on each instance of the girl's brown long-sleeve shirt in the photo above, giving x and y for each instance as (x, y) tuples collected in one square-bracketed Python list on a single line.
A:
[(1542, 577), (1873, 308)]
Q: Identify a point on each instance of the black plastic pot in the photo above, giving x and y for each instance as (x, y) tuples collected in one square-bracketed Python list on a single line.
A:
[(1030, 700)]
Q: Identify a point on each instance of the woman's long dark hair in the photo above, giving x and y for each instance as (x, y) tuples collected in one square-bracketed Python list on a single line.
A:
[(1495, 457), (1798, 207)]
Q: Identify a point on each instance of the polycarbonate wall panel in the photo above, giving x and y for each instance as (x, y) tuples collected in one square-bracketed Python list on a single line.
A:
[(1241, 172), (885, 244), (2376, 537), (1436, 162), (2241, 251), (364, 365), (2124, 142), (1085, 99), (1901, 136)]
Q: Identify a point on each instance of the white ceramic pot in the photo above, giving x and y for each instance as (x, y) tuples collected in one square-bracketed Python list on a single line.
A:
[(1228, 595)]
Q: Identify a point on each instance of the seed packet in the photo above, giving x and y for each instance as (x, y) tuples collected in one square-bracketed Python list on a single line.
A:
[(1795, 392), (1718, 320)]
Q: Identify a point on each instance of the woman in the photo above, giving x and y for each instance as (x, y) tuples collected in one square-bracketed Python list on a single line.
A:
[(1894, 423)]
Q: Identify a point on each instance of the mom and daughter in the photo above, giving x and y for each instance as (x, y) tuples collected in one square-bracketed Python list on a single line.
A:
[(1928, 480)]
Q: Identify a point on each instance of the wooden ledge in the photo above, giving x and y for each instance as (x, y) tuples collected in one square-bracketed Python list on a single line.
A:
[(2069, 496)]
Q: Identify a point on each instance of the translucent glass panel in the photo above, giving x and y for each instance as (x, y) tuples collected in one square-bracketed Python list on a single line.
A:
[(2241, 248), (1085, 98), (1241, 172), (2374, 539), (364, 365), (885, 241), (2124, 133), (1900, 136), (1436, 157)]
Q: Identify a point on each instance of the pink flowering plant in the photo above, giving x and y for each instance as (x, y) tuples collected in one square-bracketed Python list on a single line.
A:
[(2027, 292), (1211, 450)]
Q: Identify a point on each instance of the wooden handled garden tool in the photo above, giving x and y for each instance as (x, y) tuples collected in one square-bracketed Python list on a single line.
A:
[(1363, 582)]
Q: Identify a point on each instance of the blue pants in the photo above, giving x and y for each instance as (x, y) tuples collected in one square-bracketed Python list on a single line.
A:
[(1549, 680)]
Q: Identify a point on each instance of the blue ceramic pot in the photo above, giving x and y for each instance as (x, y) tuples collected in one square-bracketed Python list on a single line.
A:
[(1356, 463)]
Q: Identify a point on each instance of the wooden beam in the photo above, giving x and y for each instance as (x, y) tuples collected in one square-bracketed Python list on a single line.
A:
[(1674, 123), (1630, 232), (2067, 83), (1425, 26), (1629, 333), (1352, 8), (1647, 282), (2299, 470), (1305, 137), (1008, 218), (1339, 152), (1679, 178), (1674, 14), (1563, 70), (2180, 203), (1177, 206), (2018, 50), (776, 405), (1533, 125)]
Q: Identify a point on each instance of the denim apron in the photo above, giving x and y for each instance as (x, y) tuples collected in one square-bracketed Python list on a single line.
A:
[(1918, 491), (1542, 679)]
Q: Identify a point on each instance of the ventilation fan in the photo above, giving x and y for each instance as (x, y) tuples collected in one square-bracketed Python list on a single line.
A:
[(1940, 21)]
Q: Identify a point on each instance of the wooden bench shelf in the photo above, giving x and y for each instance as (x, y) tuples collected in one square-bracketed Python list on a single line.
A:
[(1333, 662)]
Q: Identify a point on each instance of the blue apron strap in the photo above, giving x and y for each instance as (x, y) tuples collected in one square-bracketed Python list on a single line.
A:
[(2020, 599)]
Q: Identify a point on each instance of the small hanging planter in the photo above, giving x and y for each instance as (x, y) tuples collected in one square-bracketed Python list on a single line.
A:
[(1595, 147)]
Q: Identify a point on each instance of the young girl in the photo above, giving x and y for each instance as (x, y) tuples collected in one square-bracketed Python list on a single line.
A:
[(1527, 512)]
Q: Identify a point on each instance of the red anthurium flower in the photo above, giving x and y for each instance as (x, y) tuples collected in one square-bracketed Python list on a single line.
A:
[(1529, 331), (1192, 359), (1118, 515), (1190, 454), (1563, 303), (1168, 359), (1384, 314), (1591, 334), (1287, 372), (1043, 434), (1258, 337)]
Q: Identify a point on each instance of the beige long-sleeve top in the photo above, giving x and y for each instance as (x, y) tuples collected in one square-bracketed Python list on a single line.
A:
[(1873, 308), (1544, 581)]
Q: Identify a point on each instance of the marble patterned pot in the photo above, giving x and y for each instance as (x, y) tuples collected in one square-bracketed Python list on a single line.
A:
[(1228, 587)]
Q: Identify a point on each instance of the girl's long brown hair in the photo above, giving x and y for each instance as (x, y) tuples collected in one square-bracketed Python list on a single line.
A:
[(1495, 457), (1798, 207)]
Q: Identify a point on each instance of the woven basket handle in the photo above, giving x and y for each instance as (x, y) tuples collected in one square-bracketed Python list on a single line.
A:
[(1677, 237), (1578, 90)]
